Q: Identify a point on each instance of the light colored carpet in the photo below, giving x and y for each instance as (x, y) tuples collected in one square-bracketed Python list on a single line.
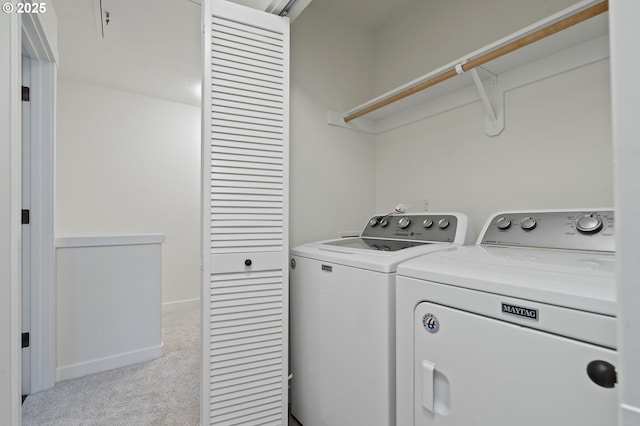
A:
[(165, 391)]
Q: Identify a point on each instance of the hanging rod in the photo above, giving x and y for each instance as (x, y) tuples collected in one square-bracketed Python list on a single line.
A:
[(486, 57)]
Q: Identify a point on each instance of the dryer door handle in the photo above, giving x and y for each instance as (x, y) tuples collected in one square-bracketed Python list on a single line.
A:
[(602, 373), (428, 373)]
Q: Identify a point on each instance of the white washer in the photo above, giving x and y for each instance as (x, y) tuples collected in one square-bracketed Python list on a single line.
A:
[(518, 329), (342, 312)]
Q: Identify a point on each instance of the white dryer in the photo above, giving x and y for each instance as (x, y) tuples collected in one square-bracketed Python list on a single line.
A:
[(342, 316), (518, 329)]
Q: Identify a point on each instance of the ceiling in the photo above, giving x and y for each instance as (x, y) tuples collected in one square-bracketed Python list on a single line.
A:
[(149, 46), (152, 47), (370, 13)]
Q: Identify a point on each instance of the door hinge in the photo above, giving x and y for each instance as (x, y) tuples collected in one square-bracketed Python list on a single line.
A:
[(25, 340), (25, 94), (26, 217)]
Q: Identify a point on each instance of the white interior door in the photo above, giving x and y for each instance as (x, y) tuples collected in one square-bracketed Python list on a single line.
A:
[(25, 278), (245, 216)]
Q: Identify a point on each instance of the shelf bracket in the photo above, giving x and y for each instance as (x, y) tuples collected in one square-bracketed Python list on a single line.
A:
[(493, 100)]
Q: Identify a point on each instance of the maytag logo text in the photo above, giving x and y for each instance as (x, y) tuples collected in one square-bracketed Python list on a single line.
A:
[(520, 311)]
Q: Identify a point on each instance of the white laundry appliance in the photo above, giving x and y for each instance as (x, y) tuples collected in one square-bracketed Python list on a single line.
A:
[(519, 329), (342, 316)]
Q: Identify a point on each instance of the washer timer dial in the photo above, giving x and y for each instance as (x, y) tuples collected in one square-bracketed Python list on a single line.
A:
[(589, 224)]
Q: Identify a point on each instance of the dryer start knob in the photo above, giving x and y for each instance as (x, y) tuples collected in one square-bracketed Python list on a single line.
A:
[(443, 223), (589, 224)]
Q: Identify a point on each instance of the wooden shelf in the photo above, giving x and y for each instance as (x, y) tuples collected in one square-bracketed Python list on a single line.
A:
[(575, 46)]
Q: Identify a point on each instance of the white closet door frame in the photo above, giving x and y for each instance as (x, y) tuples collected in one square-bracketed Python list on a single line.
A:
[(244, 216)]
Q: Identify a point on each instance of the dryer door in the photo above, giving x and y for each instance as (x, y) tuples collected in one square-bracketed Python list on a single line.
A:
[(474, 370)]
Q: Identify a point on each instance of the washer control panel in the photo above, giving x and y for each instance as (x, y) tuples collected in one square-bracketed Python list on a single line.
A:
[(572, 230), (425, 227)]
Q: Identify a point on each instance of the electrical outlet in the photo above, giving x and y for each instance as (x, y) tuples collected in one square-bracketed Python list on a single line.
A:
[(426, 202)]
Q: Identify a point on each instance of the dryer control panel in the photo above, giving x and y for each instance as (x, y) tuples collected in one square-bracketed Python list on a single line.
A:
[(591, 230), (426, 227)]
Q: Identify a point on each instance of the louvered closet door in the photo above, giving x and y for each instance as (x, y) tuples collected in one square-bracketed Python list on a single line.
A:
[(245, 205)]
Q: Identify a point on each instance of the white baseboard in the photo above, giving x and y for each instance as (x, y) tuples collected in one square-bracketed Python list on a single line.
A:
[(197, 299), (108, 363)]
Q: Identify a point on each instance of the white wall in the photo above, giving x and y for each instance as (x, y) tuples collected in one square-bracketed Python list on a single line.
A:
[(425, 35), (555, 151), (332, 176), (108, 303), (130, 164)]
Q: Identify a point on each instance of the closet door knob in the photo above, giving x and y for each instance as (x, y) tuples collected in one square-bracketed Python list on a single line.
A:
[(247, 262)]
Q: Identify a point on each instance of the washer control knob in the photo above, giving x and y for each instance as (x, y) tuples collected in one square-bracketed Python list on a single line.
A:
[(427, 223), (384, 223), (443, 223), (528, 223), (589, 224), (404, 222), (373, 221), (503, 223)]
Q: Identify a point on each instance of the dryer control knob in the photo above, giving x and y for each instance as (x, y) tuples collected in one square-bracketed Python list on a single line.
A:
[(443, 223), (503, 223), (427, 223), (373, 221), (589, 224), (528, 223), (384, 223), (404, 222)]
